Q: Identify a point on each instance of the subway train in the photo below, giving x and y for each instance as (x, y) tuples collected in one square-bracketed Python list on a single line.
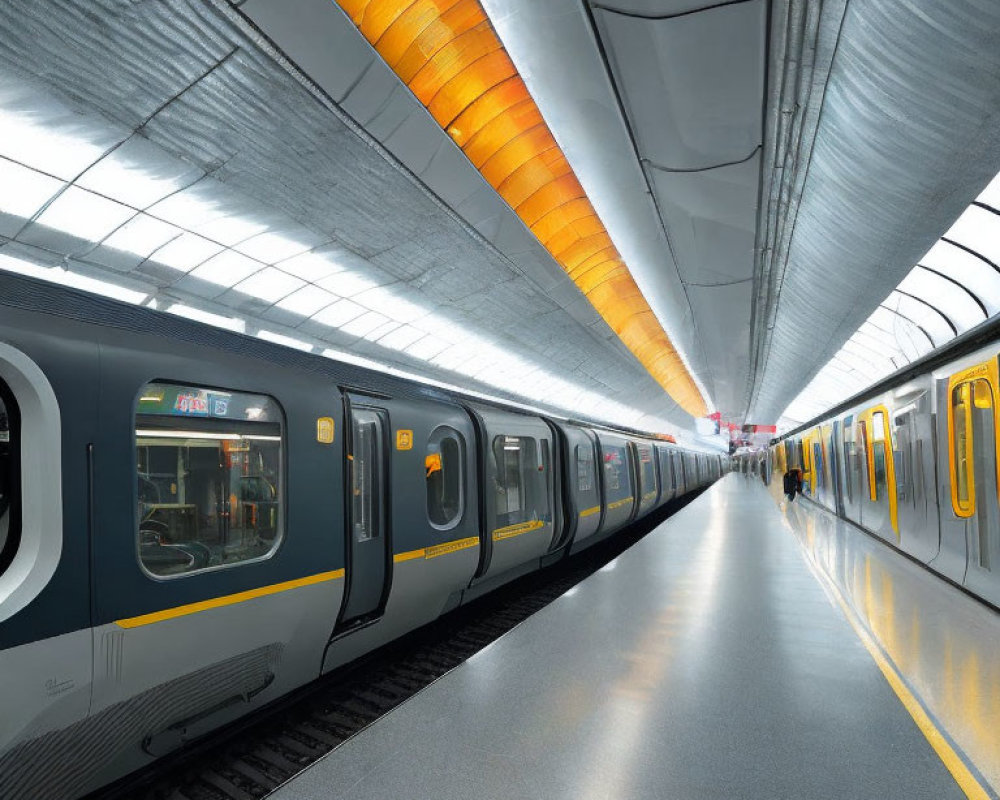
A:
[(194, 522), (914, 462)]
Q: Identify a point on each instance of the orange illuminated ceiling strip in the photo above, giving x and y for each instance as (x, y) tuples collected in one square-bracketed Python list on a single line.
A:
[(448, 54)]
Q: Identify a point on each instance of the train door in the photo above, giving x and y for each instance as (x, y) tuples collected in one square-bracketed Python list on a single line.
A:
[(974, 481), (851, 479), (816, 462), (879, 507), (914, 481), (368, 547)]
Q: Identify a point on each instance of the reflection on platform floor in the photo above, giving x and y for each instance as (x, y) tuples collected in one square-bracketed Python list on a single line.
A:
[(705, 662), (944, 644)]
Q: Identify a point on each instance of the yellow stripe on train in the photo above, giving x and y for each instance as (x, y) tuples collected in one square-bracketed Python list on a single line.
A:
[(516, 530)]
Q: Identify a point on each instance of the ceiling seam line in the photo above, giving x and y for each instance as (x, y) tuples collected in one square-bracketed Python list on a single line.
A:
[(606, 60), (709, 168), (668, 16)]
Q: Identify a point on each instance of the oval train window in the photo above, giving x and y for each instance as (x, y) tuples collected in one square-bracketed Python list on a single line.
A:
[(444, 468)]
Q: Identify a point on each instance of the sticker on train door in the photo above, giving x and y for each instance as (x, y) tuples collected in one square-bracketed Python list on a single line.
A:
[(404, 440)]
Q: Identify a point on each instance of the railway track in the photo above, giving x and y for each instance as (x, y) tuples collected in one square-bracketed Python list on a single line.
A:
[(254, 756)]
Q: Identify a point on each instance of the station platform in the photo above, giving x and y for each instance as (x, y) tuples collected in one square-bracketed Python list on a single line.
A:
[(743, 649)]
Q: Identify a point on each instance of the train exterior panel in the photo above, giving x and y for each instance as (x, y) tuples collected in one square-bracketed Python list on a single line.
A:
[(193, 523), (916, 465)]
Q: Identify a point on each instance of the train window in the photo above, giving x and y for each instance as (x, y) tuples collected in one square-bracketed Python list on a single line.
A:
[(209, 478), (863, 457), (522, 480), (647, 474), (366, 482), (878, 452), (584, 468), (9, 477), (615, 466), (444, 465), (962, 449)]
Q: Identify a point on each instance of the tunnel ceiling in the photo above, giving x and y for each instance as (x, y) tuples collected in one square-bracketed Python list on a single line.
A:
[(769, 172), (170, 154)]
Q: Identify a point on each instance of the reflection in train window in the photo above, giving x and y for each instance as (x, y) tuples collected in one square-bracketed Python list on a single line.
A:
[(444, 465), (962, 449), (521, 480), (647, 472), (209, 478), (863, 457), (878, 452), (9, 475), (366, 474), (584, 468)]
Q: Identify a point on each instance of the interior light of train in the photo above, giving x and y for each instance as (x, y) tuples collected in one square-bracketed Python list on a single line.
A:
[(208, 435)]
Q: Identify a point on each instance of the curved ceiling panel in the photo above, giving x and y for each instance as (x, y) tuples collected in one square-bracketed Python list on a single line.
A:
[(909, 133), (953, 288), (448, 54)]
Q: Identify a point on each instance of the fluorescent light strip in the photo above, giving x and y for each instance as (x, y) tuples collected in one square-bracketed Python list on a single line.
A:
[(229, 437)]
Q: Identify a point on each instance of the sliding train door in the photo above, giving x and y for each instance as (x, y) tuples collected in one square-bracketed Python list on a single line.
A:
[(368, 550), (973, 463)]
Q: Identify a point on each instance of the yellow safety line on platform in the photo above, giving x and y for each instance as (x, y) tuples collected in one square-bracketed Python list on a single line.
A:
[(227, 600), (953, 762), (437, 550)]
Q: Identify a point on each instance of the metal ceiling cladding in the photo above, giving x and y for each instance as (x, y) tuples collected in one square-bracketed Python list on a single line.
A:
[(909, 133), (448, 54)]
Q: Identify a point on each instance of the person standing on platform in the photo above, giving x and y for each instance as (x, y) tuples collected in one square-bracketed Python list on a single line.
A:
[(791, 484)]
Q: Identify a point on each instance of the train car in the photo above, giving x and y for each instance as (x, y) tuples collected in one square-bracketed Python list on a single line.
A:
[(915, 463), (194, 522)]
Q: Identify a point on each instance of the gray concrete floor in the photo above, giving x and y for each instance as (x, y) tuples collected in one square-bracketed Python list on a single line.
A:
[(705, 662)]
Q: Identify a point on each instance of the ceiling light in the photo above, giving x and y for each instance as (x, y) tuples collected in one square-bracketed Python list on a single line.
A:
[(188, 208), (272, 247), (186, 252), (346, 284), (427, 347), (85, 214), (401, 338), (311, 266), (307, 301), (269, 284), (364, 324), (991, 194), (386, 327), (287, 341), (227, 268), (231, 230), (53, 140), (24, 190), (219, 321), (142, 235), (386, 302), (72, 279), (139, 173), (340, 313)]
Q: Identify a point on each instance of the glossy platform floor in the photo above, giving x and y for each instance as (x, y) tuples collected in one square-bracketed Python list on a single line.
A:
[(708, 661)]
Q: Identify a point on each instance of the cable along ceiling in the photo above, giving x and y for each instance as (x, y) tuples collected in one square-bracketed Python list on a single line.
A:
[(953, 288), (449, 56)]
